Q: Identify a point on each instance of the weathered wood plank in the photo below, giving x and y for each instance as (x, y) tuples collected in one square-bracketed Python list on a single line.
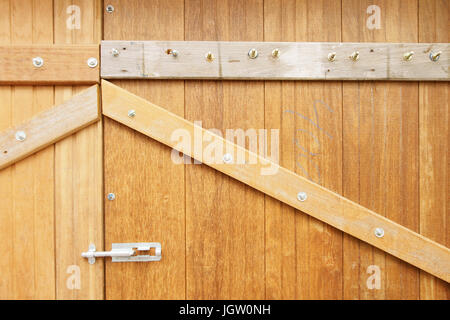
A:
[(230, 223), (61, 64), (284, 185), (434, 149), (304, 255), (296, 61), (48, 127), (78, 175), (149, 187)]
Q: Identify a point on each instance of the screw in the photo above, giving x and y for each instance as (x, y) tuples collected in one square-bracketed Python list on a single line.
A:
[(408, 56), (92, 62), (276, 53), (175, 53), (434, 56), (332, 56), (253, 53), (21, 136), (209, 57), (302, 196), (379, 232), (131, 113), (115, 52), (354, 56), (227, 158), (109, 8), (38, 62), (111, 196)]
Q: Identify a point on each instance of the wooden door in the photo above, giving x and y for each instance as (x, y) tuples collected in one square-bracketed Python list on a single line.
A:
[(223, 240)]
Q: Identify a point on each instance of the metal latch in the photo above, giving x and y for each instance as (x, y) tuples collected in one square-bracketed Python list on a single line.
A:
[(125, 252)]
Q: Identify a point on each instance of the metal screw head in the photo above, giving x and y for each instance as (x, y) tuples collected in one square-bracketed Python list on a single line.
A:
[(38, 62), (227, 158), (408, 56), (92, 62), (111, 196), (354, 56), (276, 53), (302, 196), (115, 52), (209, 57), (109, 8), (21, 136), (332, 56), (131, 113), (434, 56), (174, 53), (253, 53), (379, 232)]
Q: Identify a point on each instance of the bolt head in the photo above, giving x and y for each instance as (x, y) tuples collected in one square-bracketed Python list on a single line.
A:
[(92, 62), (253, 53), (21, 136), (109, 8), (38, 62), (209, 57), (276, 53), (115, 52), (111, 196), (434, 56), (302, 196), (408, 56), (332, 56), (132, 113), (379, 232), (227, 158), (354, 56)]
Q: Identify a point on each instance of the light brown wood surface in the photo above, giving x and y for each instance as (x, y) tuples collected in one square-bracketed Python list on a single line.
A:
[(434, 139), (62, 64), (295, 60), (49, 126), (149, 188), (50, 202), (323, 204), (78, 173)]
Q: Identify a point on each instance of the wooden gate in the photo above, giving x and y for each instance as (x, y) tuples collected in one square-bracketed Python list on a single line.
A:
[(382, 144)]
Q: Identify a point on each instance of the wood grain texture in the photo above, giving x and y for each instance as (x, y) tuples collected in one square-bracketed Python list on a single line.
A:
[(224, 218), (296, 60), (304, 255), (323, 204), (381, 153), (78, 173), (63, 64), (49, 126), (149, 188), (26, 188), (434, 147)]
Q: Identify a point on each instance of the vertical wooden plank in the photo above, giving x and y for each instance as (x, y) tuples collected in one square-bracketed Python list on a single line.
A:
[(380, 152), (434, 147), (78, 174), (224, 218), (303, 255), (149, 187), (27, 217)]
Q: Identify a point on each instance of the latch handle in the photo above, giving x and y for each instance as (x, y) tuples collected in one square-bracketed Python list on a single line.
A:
[(125, 252)]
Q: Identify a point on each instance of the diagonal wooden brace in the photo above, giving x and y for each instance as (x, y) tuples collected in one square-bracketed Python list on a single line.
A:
[(285, 185), (49, 126)]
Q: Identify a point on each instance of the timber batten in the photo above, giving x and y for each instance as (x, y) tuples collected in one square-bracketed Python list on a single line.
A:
[(49, 126), (322, 203), (275, 60)]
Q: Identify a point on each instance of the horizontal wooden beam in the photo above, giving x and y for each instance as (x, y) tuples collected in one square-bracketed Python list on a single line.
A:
[(49, 64), (274, 60), (49, 126), (284, 185)]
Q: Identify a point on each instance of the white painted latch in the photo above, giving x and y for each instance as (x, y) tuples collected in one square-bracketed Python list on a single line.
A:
[(126, 252)]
